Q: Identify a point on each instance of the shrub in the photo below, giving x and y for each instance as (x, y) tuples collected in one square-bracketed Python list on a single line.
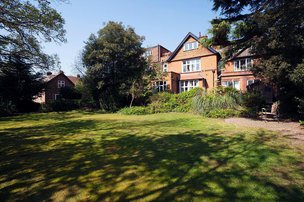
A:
[(253, 102), (209, 101), (135, 110), (62, 105), (301, 122), (184, 99), (222, 113)]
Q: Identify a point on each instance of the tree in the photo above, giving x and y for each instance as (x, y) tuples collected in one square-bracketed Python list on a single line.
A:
[(113, 60), (274, 32), (18, 86), (24, 25)]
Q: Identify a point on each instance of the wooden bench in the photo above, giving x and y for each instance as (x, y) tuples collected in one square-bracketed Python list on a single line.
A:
[(273, 114)]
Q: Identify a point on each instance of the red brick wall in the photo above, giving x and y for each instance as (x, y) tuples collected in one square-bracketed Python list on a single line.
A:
[(52, 87)]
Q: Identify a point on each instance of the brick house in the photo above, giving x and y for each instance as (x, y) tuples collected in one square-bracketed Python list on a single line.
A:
[(236, 72), (190, 65), (53, 84)]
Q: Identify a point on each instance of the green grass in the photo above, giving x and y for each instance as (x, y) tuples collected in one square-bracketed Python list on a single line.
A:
[(79, 156)]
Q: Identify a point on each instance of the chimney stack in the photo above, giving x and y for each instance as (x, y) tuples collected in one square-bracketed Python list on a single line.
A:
[(78, 75), (49, 73), (199, 35)]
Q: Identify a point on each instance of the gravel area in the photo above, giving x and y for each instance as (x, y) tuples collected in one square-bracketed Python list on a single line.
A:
[(288, 129)]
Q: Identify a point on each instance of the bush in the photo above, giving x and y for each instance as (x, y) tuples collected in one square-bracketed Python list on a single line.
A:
[(301, 122), (7, 108), (222, 113), (184, 99), (135, 110), (216, 100), (253, 102), (62, 105)]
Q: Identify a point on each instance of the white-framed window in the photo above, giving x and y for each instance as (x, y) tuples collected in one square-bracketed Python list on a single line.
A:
[(148, 53), (242, 64), (232, 83), (160, 86), (165, 67), (250, 81), (190, 46), (61, 83), (188, 85), (191, 65), (57, 96)]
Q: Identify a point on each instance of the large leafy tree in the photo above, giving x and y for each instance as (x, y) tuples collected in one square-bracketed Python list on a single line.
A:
[(114, 63), (273, 29), (24, 25)]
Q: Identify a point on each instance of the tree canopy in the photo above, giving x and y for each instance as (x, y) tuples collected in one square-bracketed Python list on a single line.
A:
[(24, 25), (113, 60), (273, 30)]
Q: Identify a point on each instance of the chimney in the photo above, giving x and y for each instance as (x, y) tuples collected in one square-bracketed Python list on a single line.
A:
[(78, 75), (199, 35), (61, 72), (49, 73)]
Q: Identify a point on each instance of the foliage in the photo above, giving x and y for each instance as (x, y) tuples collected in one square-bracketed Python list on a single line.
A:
[(24, 24), (70, 93), (136, 110), (301, 122), (83, 156), (216, 100), (222, 113), (300, 106), (253, 102), (114, 61), (62, 105), (18, 86), (273, 30)]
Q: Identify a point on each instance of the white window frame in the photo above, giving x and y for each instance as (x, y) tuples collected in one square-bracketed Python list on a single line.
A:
[(148, 53), (61, 83), (165, 67), (160, 86), (186, 85), (193, 65), (238, 66), (232, 83), (190, 46)]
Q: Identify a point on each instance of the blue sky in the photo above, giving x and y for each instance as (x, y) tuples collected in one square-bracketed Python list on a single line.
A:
[(163, 22)]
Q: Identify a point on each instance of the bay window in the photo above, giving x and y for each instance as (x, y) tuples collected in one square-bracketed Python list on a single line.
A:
[(188, 85), (232, 83)]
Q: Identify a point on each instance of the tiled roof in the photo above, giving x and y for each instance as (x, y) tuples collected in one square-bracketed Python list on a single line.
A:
[(74, 79)]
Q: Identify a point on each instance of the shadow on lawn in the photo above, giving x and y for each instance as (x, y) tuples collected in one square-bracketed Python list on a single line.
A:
[(45, 163)]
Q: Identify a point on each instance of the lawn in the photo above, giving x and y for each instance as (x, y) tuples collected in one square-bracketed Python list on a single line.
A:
[(78, 156)]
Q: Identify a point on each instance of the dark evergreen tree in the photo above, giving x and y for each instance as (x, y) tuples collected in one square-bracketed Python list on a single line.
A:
[(18, 86), (274, 32)]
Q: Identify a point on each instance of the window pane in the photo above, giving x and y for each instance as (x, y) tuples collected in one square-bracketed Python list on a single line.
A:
[(237, 85)]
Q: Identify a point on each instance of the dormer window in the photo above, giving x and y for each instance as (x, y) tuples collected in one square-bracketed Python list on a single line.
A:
[(243, 64), (190, 46), (61, 83)]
